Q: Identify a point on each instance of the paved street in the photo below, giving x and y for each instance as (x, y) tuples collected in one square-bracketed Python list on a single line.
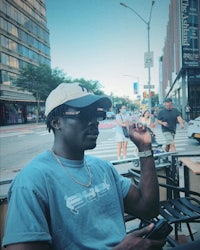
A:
[(20, 143), (107, 148)]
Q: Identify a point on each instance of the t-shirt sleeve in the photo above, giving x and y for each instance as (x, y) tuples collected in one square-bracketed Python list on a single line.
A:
[(178, 112), (26, 205)]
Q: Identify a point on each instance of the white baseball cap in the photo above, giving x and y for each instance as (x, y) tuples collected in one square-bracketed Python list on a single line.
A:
[(74, 95)]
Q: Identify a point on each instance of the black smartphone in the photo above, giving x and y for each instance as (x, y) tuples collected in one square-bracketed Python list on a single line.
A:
[(160, 231)]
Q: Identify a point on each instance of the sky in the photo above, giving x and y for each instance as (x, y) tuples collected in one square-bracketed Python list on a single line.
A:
[(101, 40)]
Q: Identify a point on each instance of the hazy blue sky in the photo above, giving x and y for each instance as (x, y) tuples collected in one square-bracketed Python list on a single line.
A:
[(102, 40)]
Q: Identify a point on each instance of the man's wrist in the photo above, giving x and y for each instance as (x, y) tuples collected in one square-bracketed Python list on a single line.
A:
[(146, 153), (144, 147)]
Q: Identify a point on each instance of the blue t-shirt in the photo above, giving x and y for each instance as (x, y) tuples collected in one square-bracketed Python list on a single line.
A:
[(46, 204)]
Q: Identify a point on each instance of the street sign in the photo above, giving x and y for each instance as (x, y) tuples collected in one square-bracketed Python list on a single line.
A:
[(147, 86), (148, 59)]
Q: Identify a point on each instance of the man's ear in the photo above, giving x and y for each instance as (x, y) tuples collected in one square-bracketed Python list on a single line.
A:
[(55, 123)]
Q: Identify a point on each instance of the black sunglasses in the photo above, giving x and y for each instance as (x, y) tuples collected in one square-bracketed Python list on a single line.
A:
[(86, 115)]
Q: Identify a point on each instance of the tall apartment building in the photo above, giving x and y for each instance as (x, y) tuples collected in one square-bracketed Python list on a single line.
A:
[(181, 57), (24, 39)]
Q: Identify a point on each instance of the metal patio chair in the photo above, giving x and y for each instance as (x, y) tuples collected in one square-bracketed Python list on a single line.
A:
[(177, 209)]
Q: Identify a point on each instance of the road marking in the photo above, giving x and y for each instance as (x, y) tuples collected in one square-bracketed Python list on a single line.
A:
[(42, 133), (14, 134), (108, 148)]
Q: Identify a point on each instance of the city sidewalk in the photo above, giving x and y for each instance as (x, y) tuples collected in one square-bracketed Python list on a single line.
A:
[(10, 128), (106, 124)]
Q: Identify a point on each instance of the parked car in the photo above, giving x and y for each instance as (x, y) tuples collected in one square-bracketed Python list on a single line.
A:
[(193, 130), (110, 115), (31, 117)]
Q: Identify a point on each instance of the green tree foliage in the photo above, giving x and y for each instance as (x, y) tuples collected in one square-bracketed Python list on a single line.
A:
[(39, 80), (91, 85)]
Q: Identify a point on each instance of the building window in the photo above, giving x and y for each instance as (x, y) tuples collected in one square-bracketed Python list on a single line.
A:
[(8, 77), (12, 29), (13, 62), (4, 59)]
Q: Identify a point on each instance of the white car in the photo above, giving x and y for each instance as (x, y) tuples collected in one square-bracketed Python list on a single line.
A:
[(193, 130), (110, 115)]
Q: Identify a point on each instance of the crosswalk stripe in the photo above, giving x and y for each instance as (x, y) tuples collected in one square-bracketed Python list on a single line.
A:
[(14, 134), (105, 150), (42, 133), (108, 148), (112, 153)]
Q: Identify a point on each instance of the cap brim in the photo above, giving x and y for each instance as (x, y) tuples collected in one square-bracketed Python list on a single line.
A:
[(101, 101)]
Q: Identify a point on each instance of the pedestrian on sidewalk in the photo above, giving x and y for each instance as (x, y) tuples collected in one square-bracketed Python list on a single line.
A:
[(168, 118), (64, 199), (187, 112), (122, 120), (146, 120)]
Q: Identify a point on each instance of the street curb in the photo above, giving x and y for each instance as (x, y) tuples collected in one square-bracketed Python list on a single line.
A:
[(20, 127)]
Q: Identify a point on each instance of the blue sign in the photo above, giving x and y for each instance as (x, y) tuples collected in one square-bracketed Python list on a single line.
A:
[(135, 88)]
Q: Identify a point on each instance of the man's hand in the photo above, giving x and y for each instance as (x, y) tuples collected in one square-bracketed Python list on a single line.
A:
[(137, 241), (140, 136), (165, 124)]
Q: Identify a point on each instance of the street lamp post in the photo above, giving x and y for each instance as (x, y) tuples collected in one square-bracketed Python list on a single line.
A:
[(149, 59)]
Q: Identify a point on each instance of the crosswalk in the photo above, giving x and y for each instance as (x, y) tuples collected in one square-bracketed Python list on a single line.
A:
[(107, 149), (181, 139)]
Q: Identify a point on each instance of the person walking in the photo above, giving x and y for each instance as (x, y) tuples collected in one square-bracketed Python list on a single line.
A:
[(122, 120), (187, 112), (65, 199), (168, 118), (146, 120)]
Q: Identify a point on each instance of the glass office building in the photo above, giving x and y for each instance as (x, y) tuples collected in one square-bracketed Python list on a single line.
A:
[(24, 39)]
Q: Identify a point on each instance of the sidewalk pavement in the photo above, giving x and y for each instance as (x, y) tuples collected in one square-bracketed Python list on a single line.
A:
[(106, 124), (10, 128)]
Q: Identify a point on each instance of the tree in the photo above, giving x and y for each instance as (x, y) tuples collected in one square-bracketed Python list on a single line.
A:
[(91, 85), (39, 80)]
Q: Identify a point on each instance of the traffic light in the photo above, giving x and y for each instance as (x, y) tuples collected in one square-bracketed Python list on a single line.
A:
[(144, 94), (151, 93)]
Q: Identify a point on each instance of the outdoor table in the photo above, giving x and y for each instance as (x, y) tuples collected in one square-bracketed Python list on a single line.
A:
[(191, 172), (192, 163)]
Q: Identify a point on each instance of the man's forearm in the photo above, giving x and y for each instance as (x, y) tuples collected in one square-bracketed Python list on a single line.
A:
[(180, 120), (149, 182), (149, 185), (159, 122)]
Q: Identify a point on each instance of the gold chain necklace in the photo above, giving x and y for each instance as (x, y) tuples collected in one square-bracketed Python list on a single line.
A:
[(70, 175)]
